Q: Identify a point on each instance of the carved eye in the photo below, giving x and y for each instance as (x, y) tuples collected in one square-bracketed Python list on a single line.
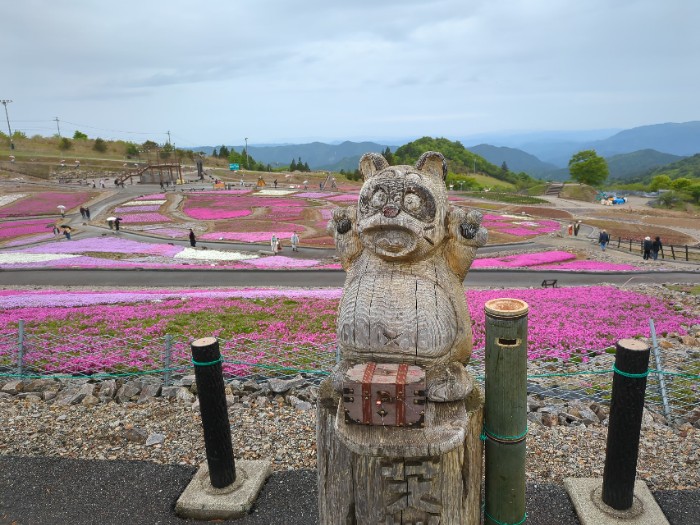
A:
[(378, 199), (412, 202)]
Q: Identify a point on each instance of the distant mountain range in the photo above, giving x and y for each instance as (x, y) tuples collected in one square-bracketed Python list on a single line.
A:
[(630, 153)]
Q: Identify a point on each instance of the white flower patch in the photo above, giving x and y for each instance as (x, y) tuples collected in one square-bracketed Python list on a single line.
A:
[(273, 192), (12, 197), (213, 255), (14, 258), (143, 203)]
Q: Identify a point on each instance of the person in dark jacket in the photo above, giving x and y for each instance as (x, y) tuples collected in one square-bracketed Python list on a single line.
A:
[(603, 239), (193, 239), (656, 247), (646, 248)]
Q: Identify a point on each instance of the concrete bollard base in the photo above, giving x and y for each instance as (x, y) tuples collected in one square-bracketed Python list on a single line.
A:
[(201, 501), (585, 494)]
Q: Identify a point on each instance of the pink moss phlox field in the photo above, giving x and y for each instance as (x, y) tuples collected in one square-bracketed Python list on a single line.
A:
[(346, 197), (135, 209), (44, 203), (106, 245), (29, 239), (16, 229), (563, 322), (133, 218), (523, 260), (519, 227), (206, 214)]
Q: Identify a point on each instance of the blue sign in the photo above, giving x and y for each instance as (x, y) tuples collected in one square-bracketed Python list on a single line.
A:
[(234, 167)]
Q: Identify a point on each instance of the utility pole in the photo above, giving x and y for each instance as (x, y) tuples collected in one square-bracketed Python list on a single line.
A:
[(246, 153), (168, 136), (9, 130), (58, 127)]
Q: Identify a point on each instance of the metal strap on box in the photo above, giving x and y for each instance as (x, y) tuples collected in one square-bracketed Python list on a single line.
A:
[(367, 393), (401, 375)]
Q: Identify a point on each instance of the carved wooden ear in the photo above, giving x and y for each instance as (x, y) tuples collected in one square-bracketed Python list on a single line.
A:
[(371, 164), (434, 163)]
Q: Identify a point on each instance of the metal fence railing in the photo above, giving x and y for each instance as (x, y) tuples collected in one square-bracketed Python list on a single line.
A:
[(673, 388)]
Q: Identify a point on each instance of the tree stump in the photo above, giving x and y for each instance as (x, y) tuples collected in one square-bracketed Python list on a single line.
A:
[(391, 475)]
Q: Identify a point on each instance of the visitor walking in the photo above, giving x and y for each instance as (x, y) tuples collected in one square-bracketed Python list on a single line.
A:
[(295, 241), (603, 239), (56, 231), (571, 229), (87, 213), (193, 239), (646, 248), (66, 233), (577, 227), (656, 247), (273, 243), (82, 212), (278, 248), (116, 223)]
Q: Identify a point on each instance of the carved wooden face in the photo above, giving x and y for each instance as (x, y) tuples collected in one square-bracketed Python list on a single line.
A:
[(401, 213)]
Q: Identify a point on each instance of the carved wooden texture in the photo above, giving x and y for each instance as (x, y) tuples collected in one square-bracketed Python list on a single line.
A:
[(394, 312), (372, 489)]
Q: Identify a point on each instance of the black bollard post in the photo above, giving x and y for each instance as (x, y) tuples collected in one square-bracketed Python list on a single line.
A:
[(626, 408), (206, 359)]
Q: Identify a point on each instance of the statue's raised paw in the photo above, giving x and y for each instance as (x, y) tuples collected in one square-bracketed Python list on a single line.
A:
[(466, 227)]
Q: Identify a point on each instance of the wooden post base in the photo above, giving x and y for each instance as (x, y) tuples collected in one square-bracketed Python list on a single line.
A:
[(370, 475)]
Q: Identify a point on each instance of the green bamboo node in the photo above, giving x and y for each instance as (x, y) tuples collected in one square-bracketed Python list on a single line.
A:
[(487, 434), (630, 375)]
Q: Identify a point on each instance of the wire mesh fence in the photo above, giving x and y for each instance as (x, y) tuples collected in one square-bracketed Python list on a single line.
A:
[(673, 387)]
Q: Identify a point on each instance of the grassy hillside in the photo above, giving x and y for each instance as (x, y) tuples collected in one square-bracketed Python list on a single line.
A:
[(630, 166), (688, 167)]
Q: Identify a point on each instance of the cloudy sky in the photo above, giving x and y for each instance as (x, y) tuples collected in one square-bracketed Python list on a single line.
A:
[(216, 71)]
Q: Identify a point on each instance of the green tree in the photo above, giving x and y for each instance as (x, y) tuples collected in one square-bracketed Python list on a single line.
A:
[(214, 153), (587, 167), (504, 167), (293, 166), (660, 182), (132, 150), (79, 135), (681, 184), (100, 145), (65, 144), (223, 152), (694, 192), (167, 150), (388, 155)]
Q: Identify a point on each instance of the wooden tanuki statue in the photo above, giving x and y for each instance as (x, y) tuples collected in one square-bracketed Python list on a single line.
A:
[(399, 419)]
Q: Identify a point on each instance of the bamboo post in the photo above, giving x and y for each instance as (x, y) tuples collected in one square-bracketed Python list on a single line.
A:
[(167, 372), (206, 359), (505, 414), (626, 408)]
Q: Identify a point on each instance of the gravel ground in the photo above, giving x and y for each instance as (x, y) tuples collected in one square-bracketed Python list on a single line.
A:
[(669, 458)]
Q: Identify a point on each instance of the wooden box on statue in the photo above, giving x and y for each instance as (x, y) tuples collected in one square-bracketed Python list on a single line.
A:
[(385, 394)]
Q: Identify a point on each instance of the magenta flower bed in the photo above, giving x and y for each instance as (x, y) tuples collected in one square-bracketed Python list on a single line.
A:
[(519, 227), (523, 260), (562, 322), (106, 245), (29, 239), (206, 214), (346, 197), (16, 229), (45, 203), (133, 218)]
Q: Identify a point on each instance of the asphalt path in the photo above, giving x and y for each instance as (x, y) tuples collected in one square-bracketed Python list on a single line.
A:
[(177, 278)]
